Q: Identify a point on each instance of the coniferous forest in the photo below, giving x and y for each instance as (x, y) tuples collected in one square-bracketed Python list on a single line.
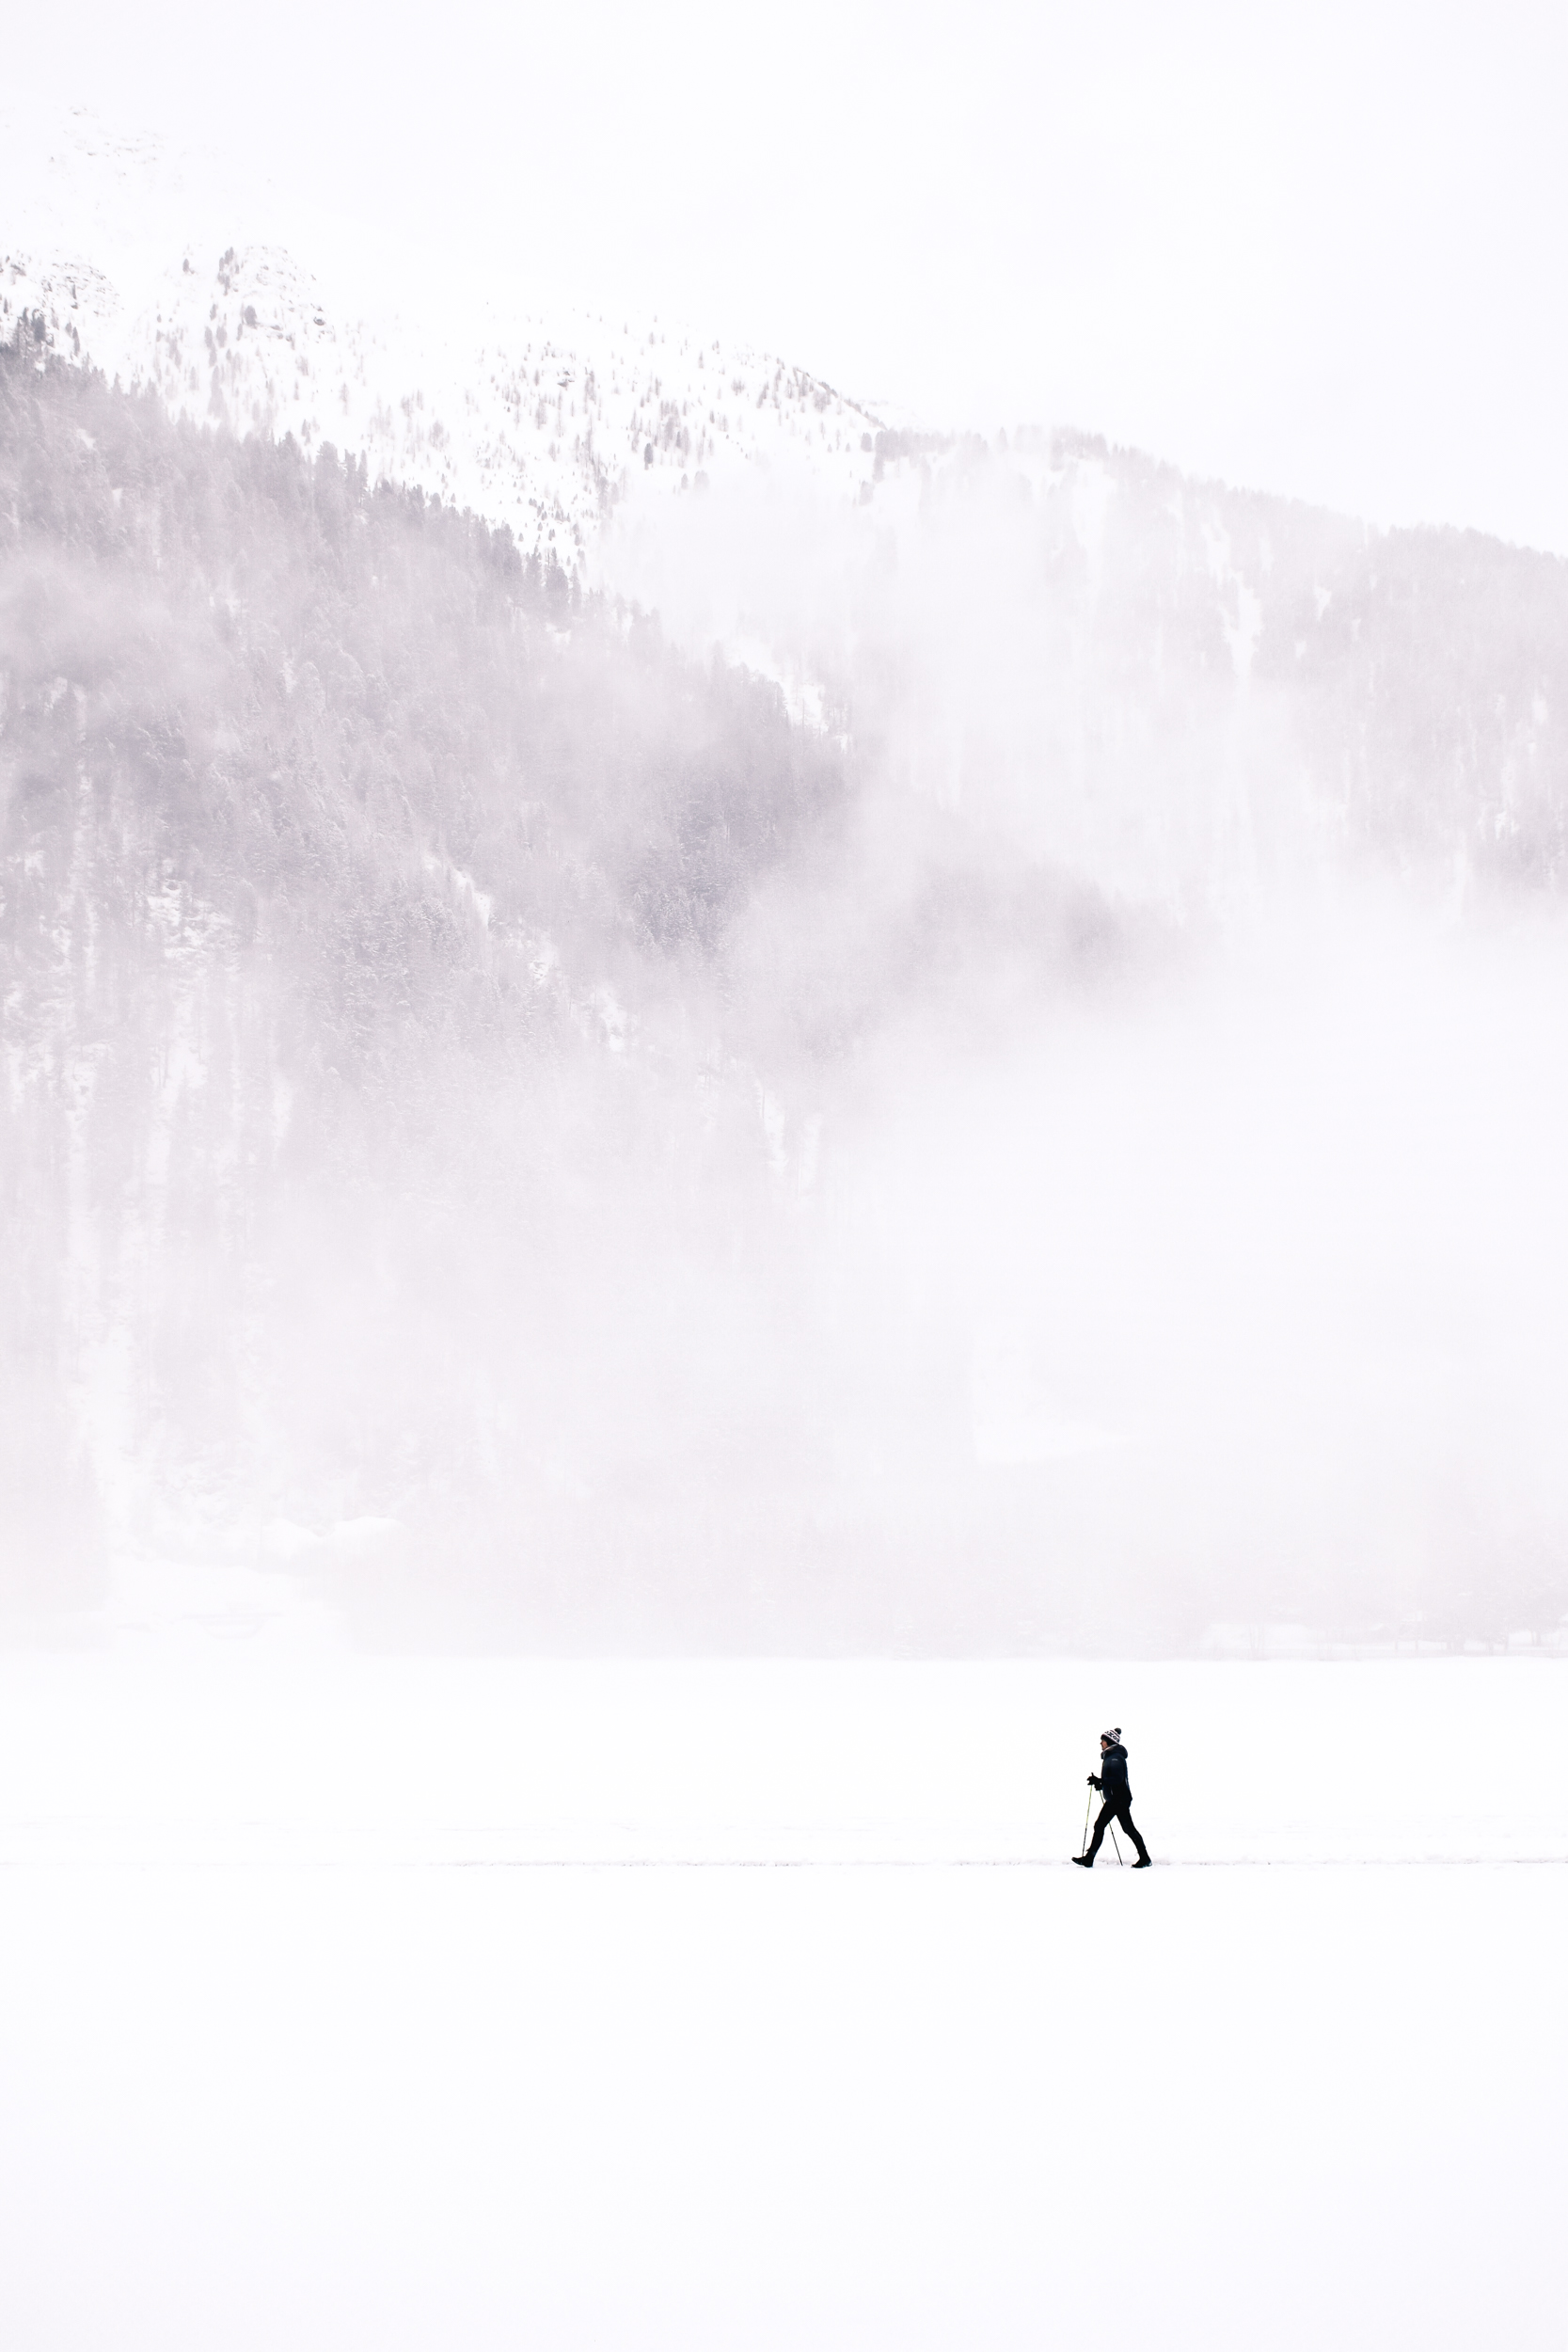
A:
[(456, 1041)]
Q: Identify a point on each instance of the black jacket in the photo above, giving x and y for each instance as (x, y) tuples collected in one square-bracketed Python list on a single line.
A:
[(1112, 1779)]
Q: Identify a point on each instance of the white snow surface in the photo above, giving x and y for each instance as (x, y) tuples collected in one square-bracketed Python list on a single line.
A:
[(351, 2002)]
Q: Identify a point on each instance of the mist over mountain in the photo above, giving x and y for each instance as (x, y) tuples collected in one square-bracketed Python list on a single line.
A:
[(1283, 679), (949, 1046)]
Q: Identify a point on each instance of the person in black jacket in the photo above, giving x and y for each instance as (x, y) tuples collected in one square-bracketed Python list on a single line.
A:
[(1115, 1786)]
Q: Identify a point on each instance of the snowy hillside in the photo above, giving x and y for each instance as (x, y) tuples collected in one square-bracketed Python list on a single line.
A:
[(545, 425), (943, 1123), (1172, 689)]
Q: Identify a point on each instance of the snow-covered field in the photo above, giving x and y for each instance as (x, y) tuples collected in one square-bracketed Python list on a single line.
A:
[(331, 2015)]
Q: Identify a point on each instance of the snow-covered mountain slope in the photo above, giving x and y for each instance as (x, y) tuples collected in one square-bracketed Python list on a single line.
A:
[(593, 437), (544, 423), (1167, 686), (949, 1163)]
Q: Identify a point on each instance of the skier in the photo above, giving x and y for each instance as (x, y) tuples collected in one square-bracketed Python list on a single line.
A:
[(1112, 1782)]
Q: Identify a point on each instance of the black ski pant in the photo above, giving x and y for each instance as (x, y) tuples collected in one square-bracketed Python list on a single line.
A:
[(1110, 1812)]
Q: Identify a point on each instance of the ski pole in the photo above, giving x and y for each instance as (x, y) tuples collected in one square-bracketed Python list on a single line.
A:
[(1121, 1856), (1082, 1842)]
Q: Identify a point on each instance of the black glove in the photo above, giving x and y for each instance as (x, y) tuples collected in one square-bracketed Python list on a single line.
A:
[(1094, 1780)]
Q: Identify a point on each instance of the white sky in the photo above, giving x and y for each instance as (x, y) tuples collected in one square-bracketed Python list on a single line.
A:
[(1314, 249)]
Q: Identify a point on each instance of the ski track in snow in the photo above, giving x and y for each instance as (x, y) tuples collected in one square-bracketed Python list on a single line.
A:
[(197, 1752)]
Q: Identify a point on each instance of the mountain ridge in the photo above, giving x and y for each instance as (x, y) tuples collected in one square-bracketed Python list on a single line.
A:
[(643, 1148), (544, 427)]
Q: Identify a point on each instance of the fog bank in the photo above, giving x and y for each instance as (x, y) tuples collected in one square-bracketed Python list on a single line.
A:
[(975, 1072)]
